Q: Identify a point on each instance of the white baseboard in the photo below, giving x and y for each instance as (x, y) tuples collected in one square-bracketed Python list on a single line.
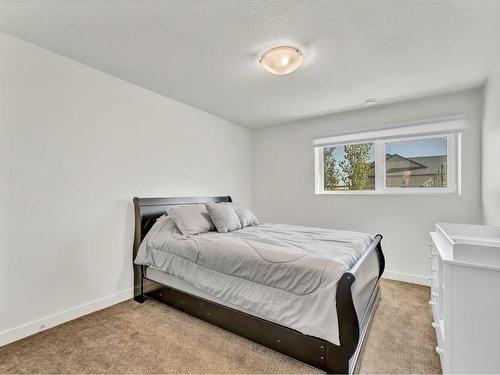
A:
[(50, 321), (409, 278)]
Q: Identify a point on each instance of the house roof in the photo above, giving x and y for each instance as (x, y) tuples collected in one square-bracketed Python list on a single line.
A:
[(397, 163), (431, 163), (421, 165)]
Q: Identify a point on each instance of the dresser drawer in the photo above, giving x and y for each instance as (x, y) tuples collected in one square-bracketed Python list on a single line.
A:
[(438, 325), (437, 281), (439, 333)]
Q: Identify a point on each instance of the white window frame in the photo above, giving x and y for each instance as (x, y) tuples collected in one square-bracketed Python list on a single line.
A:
[(450, 127)]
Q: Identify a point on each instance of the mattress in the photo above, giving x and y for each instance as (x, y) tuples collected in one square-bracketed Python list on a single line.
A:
[(282, 273)]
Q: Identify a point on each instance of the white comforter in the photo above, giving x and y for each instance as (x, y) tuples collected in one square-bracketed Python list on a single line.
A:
[(283, 273)]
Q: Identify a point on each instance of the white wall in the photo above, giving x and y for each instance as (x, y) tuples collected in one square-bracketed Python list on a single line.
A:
[(75, 146), (491, 149), (284, 181)]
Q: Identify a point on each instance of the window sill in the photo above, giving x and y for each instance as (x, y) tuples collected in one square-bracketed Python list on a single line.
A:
[(391, 192)]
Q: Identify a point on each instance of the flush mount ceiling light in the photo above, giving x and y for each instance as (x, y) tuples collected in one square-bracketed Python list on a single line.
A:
[(282, 60)]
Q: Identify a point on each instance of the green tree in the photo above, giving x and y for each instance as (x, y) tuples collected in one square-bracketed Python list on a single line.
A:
[(331, 175), (356, 165)]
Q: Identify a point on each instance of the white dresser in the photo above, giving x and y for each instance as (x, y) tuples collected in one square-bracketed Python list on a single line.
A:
[(465, 297)]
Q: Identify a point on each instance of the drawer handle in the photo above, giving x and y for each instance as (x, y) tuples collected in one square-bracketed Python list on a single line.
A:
[(435, 269), (439, 350), (430, 244), (431, 278), (434, 294), (435, 325)]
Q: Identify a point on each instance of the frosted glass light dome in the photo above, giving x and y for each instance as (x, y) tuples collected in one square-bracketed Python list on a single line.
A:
[(282, 60)]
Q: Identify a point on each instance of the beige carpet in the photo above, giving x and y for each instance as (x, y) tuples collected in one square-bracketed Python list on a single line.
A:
[(153, 338)]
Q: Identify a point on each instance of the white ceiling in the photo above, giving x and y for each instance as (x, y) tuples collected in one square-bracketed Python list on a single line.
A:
[(205, 53)]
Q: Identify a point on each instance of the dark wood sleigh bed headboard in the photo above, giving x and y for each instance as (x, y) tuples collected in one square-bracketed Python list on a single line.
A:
[(147, 210)]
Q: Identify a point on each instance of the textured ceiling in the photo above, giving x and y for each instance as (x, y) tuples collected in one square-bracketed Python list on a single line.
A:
[(205, 53)]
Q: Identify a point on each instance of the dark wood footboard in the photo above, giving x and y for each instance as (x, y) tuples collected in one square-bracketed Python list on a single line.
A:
[(357, 296), (354, 323)]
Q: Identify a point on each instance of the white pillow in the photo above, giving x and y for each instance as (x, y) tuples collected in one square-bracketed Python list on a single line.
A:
[(224, 217), (247, 218), (191, 219)]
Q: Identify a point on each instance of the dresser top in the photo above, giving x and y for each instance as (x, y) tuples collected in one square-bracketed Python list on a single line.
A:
[(485, 235), (468, 245)]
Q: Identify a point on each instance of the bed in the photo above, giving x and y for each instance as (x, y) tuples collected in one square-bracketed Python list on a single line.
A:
[(306, 292)]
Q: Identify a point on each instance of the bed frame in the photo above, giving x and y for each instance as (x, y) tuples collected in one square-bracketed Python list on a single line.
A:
[(314, 351)]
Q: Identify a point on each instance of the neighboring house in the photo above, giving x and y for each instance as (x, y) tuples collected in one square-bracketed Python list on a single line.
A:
[(422, 171)]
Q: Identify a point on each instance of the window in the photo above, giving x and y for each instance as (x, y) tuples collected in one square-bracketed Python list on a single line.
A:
[(421, 158), (349, 167), (417, 163)]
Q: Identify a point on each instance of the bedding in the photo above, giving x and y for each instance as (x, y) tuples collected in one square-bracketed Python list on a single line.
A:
[(283, 273), (223, 216), (247, 218), (191, 219)]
